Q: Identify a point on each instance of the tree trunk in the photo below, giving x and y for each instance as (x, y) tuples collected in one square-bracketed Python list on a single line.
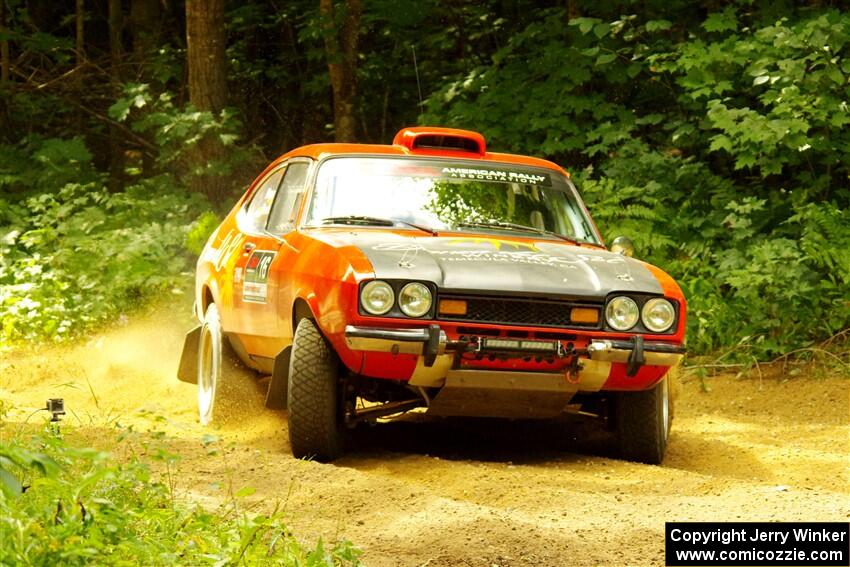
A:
[(116, 52), (144, 25), (342, 32), (5, 64), (205, 42), (80, 32), (116, 29), (5, 67), (573, 11)]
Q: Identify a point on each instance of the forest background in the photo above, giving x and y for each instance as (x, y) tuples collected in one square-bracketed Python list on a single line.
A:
[(713, 133)]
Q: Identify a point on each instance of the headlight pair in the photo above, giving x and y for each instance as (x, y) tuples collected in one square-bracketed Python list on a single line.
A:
[(622, 313), (378, 297)]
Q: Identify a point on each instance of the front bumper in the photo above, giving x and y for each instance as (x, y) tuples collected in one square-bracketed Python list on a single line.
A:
[(397, 341), (432, 341), (653, 353), (511, 377)]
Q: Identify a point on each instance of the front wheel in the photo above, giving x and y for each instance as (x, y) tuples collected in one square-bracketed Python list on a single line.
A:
[(643, 422), (313, 396)]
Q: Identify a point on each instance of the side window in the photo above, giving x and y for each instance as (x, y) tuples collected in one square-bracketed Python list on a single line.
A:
[(282, 217), (261, 203)]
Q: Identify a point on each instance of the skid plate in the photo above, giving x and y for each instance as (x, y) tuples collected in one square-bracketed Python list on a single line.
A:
[(483, 393)]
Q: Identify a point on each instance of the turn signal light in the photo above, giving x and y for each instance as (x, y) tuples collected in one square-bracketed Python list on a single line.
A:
[(452, 307), (584, 315)]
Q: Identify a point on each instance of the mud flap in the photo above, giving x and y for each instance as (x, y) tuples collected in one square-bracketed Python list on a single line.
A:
[(276, 394), (188, 369), (474, 393)]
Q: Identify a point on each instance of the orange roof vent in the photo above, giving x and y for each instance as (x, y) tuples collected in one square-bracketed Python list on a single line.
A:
[(435, 140)]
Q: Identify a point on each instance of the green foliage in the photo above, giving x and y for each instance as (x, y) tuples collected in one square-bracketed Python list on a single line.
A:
[(177, 131), (200, 231), (15, 458), (38, 164), (774, 97), (81, 507), (76, 255), (457, 203)]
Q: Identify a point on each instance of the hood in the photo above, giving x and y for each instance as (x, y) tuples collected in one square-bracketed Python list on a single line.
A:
[(484, 264)]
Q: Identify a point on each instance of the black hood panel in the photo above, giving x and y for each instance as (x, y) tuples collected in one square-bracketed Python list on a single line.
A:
[(493, 265)]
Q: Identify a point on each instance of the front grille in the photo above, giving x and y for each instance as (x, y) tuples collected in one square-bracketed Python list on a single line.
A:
[(525, 312)]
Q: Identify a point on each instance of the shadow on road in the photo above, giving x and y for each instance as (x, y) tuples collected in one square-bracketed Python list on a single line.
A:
[(488, 440)]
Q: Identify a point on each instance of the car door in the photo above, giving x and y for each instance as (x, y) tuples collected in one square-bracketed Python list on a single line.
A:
[(254, 289), (282, 223), (266, 260)]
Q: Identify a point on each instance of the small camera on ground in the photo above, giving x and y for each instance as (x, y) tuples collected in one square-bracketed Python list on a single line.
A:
[(56, 406)]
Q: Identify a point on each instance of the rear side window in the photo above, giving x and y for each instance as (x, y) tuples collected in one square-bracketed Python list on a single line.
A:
[(258, 209), (289, 197)]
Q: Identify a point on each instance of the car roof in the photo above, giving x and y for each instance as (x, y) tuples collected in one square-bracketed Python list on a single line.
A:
[(405, 146)]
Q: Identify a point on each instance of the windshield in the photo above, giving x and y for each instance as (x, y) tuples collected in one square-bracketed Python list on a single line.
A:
[(429, 194)]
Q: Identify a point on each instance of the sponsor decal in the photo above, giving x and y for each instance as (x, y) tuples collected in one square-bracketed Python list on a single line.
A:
[(497, 175), (228, 246), (255, 289), (399, 247), (521, 253), (497, 243), (512, 257)]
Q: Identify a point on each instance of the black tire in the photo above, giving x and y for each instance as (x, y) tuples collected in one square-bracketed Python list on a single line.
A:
[(220, 379), (313, 396), (643, 421)]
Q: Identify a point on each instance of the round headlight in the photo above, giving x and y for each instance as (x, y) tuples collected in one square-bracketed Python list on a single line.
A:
[(377, 297), (622, 313), (658, 315), (415, 299)]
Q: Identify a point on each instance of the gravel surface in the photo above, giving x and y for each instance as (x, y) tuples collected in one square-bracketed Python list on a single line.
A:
[(420, 491)]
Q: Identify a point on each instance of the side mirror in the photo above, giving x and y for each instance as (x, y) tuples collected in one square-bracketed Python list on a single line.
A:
[(623, 245)]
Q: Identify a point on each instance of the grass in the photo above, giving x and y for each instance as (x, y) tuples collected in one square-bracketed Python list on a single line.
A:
[(62, 504)]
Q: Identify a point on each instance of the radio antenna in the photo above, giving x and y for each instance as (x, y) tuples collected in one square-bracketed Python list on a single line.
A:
[(418, 86)]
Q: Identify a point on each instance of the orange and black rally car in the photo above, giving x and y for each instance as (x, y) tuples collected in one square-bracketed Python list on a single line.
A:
[(369, 280)]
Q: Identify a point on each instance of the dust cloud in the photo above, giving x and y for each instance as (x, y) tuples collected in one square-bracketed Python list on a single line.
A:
[(128, 367)]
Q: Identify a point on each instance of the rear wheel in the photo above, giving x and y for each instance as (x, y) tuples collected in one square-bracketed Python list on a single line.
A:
[(643, 423), (313, 396), (210, 346), (221, 382)]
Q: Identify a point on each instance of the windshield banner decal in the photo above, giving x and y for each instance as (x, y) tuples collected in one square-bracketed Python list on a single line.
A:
[(497, 175)]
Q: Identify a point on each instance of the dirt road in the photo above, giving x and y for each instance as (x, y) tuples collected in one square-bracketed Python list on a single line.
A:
[(461, 492)]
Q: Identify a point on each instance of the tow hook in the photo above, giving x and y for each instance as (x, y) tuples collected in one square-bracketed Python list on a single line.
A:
[(636, 358), (573, 371), (432, 347)]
